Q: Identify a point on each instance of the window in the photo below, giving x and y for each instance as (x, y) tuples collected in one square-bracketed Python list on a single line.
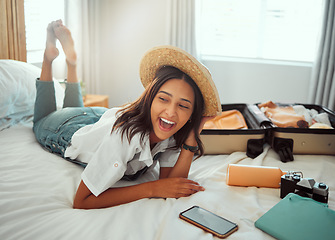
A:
[(38, 14), (262, 29)]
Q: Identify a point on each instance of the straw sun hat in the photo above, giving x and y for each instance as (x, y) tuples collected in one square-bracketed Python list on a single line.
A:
[(178, 58)]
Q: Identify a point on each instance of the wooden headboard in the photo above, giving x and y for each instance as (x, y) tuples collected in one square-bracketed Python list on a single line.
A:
[(12, 30)]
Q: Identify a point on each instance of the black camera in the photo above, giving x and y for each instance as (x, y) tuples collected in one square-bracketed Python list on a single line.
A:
[(293, 182)]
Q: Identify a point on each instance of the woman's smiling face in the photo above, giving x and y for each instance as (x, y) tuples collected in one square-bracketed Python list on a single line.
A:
[(171, 108)]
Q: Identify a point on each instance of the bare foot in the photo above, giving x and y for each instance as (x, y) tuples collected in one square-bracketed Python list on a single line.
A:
[(51, 51), (63, 34)]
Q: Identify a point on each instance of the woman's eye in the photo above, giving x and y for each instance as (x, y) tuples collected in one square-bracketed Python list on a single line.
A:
[(184, 106), (162, 99)]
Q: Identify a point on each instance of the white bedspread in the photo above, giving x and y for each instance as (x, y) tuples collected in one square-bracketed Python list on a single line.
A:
[(37, 190)]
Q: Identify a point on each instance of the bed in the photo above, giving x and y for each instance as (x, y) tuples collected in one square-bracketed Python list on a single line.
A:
[(37, 188)]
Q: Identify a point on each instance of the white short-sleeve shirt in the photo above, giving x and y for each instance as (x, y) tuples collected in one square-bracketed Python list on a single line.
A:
[(111, 156)]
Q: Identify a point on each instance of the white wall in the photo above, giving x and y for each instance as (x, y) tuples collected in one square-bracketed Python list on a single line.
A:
[(252, 82), (130, 27)]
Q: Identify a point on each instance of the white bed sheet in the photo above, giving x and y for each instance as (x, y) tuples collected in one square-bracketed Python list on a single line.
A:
[(37, 190)]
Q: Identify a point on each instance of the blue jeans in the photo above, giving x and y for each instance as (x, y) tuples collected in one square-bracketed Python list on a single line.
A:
[(54, 128)]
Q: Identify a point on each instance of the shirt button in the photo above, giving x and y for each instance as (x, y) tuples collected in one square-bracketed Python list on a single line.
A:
[(116, 165)]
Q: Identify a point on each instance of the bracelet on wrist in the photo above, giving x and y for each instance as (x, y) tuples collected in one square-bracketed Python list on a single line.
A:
[(192, 149)]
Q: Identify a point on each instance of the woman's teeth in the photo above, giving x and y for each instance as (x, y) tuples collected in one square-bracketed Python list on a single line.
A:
[(166, 123)]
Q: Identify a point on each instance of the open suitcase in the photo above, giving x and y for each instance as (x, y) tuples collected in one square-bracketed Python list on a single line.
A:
[(285, 141)]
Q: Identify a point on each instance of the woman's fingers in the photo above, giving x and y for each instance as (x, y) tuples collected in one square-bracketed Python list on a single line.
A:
[(191, 188), (191, 185), (177, 187)]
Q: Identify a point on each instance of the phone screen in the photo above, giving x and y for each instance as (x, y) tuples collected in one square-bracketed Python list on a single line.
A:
[(209, 221)]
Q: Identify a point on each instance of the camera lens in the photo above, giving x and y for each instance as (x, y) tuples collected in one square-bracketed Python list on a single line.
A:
[(296, 178), (322, 185)]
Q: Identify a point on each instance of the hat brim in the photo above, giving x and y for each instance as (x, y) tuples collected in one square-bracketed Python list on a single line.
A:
[(178, 58)]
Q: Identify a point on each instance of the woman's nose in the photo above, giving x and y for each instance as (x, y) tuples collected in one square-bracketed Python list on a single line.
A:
[(171, 110)]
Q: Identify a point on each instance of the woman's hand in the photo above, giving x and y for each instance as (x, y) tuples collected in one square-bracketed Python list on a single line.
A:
[(191, 137), (175, 188)]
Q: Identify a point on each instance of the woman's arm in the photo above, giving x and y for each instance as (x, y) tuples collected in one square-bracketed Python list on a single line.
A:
[(183, 164), (164, 188), (173, 183)]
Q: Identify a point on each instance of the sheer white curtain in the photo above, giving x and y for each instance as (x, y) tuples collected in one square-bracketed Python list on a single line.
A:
[(82, 18), (322, 88), (182, 25)]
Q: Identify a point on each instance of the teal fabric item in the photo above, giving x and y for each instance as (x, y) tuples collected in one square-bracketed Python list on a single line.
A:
[(296, 217)]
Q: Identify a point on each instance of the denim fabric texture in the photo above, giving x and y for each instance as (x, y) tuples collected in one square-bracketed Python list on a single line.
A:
[(54, 128)]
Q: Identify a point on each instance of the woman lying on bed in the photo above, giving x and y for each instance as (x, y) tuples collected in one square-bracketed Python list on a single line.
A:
[(163, 126)]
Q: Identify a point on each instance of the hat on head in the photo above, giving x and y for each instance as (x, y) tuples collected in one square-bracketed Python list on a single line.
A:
[(178, 58)]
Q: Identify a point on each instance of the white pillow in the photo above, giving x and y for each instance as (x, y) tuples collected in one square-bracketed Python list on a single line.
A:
[(18, 91)]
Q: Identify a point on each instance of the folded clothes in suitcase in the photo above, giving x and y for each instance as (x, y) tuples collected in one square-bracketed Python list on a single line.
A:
[(262, 127), (288, 141), (248, 139)]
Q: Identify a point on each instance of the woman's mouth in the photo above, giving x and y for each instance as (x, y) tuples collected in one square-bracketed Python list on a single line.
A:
[(166, 124)]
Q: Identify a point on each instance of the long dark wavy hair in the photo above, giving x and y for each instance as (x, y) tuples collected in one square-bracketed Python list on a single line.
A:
[(136, 118)]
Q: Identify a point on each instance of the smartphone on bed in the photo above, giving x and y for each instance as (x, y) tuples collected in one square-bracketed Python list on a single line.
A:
[(209, 221)]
